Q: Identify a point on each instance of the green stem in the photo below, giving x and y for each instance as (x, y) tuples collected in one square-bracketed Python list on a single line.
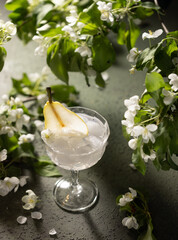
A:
[(148, 120)]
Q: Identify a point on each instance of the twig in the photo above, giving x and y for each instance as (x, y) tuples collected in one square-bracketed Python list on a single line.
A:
[(162, 23)]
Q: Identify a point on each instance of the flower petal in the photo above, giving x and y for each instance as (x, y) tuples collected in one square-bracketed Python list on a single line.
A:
[(36, 215), (21, 220), (52, 232), (152, 127)]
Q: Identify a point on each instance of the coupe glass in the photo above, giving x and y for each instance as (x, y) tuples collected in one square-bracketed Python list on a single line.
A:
[(75, 153)]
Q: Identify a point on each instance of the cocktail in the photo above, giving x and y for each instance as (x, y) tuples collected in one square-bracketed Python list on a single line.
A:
[(79, 144)]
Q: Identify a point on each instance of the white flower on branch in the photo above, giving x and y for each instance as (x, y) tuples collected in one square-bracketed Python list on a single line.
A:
[(128, 197), (133, 143), (169, 97), (3, 155), (7, 185), (151, 34), (68, 29), (133, 54), (44, 43), (9, 130), (132, 104), (146, 157), (145, 132), (26, 138), (84, 51), (30, 200), (105, 9), (174, 81), (130, 222), (73, 18)]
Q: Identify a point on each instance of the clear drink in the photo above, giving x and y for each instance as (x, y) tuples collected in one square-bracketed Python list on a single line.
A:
[(76, 153)]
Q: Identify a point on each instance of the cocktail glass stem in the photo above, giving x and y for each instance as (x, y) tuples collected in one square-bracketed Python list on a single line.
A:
[(74, 176)]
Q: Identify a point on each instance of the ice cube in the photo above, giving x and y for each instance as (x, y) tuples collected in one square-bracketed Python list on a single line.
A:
[(96, 128)]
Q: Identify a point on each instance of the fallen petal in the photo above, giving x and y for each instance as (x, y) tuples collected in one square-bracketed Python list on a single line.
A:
[(52, 232), (36, 215), (21, 220)]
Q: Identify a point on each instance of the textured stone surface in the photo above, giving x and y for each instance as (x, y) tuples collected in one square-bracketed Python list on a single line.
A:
[(112, 174)]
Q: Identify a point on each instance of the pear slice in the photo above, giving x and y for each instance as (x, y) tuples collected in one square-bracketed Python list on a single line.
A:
[(62, 121)]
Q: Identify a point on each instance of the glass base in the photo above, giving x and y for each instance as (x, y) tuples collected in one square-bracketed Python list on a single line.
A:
[(75, 198)]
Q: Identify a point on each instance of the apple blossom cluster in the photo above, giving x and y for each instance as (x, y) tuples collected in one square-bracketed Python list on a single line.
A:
[(7, 30), (130, 221), (137, 217), (135, 130), (13, 118)]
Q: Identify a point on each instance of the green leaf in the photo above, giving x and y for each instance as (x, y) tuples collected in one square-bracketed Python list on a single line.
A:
[(121, 37), (13, 5), (154, 81), (137, 159), (99, 80), (145, 97), (90, 28), (172, 164), (164, 62), (150, 5), (3, 54), (133, 34), (103, 53), (173, 34), (9, 143), (57, 64), (146, 55), (91, 16), (46, 168), (62, 93)]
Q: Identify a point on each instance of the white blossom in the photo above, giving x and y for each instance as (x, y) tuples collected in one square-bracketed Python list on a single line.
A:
[(106, 11), (68, 29), (7, 185), (84, 51), (145, 132), (9, 130), (44, 43), (10, 28), (30, 200), (39, 125), (73, 18), (128, 197), (133, 143), (132, 104), (26, 138), (146, 157), (133, 54), (3, 155), (22, 182), (174, 81), (151, 34), (169, 97), (130, 222)]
